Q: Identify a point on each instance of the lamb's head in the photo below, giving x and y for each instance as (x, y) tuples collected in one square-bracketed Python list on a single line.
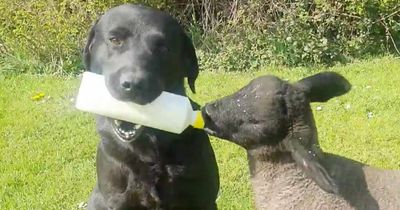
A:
[(274, 113), (255, 115)]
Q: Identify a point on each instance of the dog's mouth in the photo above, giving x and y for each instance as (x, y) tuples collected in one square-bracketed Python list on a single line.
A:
[(126, 131)]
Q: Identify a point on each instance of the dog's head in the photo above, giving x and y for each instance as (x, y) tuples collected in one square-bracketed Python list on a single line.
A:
[(141, 52), (272, 112)]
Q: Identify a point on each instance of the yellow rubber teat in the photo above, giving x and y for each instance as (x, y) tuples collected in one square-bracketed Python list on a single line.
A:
[(199, 122)]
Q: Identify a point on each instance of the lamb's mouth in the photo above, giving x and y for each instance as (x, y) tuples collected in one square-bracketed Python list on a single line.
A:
[(208, 120), (210, 131), (126, 131)]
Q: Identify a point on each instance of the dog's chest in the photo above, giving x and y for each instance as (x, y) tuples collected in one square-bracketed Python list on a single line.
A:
[(154, 184)]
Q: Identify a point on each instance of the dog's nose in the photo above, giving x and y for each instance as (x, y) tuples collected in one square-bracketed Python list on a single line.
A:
[(130, 86), (127, 86), (130, 82)]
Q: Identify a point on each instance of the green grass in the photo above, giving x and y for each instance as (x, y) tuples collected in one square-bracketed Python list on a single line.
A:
[(47, 148)]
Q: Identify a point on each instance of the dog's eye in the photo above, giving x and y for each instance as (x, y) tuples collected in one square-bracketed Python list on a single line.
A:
[(116, 42), (157, 44), (163, 49), (160, 46)]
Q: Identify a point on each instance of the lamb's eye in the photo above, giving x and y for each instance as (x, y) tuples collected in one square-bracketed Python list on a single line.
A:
[(116, 41)]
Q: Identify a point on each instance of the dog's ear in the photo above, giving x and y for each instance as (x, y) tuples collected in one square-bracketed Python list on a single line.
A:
[(88, 47), (309, 162), (190, 61), (323, 86)]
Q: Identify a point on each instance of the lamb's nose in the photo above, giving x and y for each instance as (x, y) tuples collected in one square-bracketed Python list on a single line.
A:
[(208, 120), (207, 110), (206, 113)]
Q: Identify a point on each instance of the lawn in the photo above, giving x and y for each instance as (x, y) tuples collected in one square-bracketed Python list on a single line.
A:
[(47, 148)]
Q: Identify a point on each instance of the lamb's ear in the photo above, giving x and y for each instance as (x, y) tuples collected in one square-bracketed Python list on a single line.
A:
[(309, 162), (88, 47), (323, 86), (190, 61)]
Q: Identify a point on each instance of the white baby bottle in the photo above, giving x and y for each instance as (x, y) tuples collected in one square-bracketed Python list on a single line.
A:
[(168, 112)]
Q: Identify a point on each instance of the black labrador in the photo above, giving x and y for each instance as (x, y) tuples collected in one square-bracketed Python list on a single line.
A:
[(141, 52)]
